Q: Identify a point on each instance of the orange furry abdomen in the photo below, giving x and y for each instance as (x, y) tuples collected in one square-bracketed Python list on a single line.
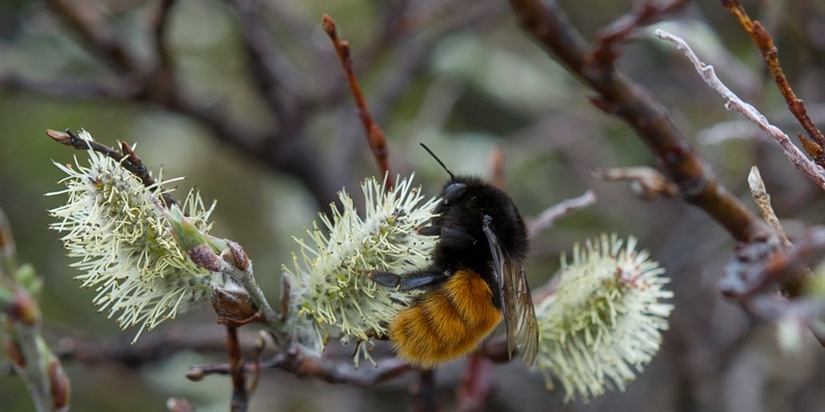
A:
[(446, 323)]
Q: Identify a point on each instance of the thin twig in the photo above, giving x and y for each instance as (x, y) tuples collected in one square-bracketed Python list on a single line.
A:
[(767, 48), (424, 393), (549, 216), (796, 156), (375, 136), (240, 398)]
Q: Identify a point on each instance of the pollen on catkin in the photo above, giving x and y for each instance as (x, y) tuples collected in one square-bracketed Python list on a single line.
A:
[(605, 321), (124, 248), (330, 294)]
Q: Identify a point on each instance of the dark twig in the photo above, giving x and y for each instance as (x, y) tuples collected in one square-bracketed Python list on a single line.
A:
[(375, 136), (767, 48), (608, 44), (622, 97), (475, 385), (240, 398), (128, 159), (424, 392)]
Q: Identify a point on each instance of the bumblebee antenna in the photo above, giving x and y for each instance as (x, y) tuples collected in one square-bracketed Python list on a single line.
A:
[(437, 160)]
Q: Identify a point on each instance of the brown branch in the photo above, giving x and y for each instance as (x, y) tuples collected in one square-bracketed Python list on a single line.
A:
[(128, 158), (240, 399), (767, 48), (608, 45), (375, 136), (622, 97), (325, 369)]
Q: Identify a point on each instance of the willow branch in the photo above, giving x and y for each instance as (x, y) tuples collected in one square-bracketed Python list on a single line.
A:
[(622, 97)]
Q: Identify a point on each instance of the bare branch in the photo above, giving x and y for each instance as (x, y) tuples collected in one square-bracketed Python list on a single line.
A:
[(620, 96), (805, 165)]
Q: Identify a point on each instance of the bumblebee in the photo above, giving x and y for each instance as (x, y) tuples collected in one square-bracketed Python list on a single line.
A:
[(476, 279)]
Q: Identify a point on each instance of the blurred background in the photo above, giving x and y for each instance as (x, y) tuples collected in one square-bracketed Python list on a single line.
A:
[(458, 76)]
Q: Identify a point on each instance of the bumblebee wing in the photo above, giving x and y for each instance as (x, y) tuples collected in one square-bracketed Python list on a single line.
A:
[(516, 300)]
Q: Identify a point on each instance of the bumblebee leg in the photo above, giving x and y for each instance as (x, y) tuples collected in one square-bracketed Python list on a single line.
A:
[(429, 230), (456, 237), (412, 281)]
